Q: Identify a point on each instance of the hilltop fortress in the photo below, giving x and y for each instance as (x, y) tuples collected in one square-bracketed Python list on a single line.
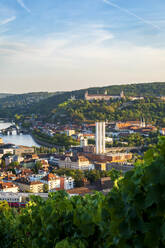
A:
[(104, 96)]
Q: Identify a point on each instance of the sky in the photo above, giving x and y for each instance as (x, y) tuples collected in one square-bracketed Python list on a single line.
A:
[(59, 45)]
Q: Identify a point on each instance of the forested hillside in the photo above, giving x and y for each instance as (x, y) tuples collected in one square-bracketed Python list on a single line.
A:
[(21, 103), (147, 89), (3, 95), (80, 110), (44, 103)]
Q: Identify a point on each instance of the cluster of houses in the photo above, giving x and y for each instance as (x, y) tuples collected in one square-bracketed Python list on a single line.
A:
[(135, 127), (82, 157), (26, 181), (86, 132)]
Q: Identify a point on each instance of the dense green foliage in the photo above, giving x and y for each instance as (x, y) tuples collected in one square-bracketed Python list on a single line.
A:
[(143, 89), (152, 109), (138, 221), (62, 222), (132, 215), (81, 110), (45, 150), (92, 175), (58, 140), (137, 139), (37, 167), (8, 219), (20, 103), (77, 111)]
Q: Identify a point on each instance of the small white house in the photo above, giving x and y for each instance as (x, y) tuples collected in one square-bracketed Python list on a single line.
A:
[(8, 187), (68, 183), (52, 181)]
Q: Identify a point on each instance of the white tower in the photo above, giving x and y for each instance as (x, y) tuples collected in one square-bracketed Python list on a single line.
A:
[(122, 94), (143, 123), (83, 142), (100, 137)]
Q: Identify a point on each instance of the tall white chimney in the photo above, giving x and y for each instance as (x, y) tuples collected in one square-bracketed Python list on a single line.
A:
[(100, 137)]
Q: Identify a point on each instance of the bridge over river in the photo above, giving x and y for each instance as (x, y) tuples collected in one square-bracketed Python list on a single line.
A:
[(12, 128), (10, 133)]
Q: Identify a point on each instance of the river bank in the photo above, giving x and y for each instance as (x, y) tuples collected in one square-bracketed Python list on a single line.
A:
[(41, 142)]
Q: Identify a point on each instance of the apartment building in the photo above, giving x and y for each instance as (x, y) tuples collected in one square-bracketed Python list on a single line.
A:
[(26, 185), (66, 183), (76, 162), (8, 187), (52, 181)]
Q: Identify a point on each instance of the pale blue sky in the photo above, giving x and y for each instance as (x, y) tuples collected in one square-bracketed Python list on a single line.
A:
[(49, 45)]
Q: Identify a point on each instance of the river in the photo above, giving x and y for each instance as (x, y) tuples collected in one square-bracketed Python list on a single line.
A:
[(22, 139)]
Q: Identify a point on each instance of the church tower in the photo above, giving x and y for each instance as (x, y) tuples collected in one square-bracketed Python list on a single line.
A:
[(122, 94), (86, 95), (143, 123)]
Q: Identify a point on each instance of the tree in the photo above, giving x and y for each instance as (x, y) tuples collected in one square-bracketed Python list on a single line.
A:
[(114, 174), (140, 213), (92, 175), (37, 167), (13, 165), (8, 236), (3, 165), (45, 188), (61, 220)]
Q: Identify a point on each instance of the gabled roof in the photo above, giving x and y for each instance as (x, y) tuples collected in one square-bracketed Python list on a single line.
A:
[(50, 177), (4, 185)]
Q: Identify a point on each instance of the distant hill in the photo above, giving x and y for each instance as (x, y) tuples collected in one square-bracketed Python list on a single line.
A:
[(24, 99), (44, 102), (3, 95), (21, 103), (144, 89)]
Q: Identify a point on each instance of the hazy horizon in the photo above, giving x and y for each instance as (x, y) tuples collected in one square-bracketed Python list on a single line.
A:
[(70, 45), (96, 86)]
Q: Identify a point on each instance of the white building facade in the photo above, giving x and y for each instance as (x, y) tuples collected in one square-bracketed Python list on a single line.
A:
[(8, 187), (52, 181), (68, 183)]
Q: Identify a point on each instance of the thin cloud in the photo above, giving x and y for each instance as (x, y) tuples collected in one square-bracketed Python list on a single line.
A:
[(6, 21), (132, 14), (21, 3)]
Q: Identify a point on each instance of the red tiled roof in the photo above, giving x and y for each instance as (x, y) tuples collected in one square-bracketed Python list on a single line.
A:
[(49, 177), (80, 191), (4, 185)]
